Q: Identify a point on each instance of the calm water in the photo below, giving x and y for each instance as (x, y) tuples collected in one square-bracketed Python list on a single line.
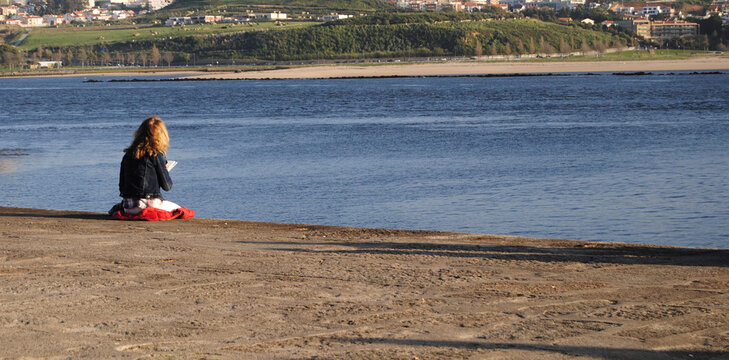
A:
[(614, 158)]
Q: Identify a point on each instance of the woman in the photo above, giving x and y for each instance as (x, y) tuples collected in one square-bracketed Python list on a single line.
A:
[(144, 170)]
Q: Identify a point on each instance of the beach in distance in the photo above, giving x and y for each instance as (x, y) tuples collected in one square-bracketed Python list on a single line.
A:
[(476, 68), (449, 68), (78, 285)]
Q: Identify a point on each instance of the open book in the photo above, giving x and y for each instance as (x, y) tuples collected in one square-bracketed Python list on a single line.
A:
[(171, 164)]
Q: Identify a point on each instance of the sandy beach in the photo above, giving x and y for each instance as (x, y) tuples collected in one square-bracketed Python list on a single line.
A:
[(451, 68), (473, 68), (79, 285)]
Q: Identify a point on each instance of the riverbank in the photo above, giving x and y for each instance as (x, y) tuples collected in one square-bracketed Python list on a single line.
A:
[(451, 68), (76, 284), (474, 68)]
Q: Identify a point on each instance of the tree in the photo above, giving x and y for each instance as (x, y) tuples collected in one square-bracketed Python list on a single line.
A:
[(494, 51), (507, 48), (69, 58), (184, 57), (131, 59), (478, 49), (600, 47), (82, 57), (545, 47), (105, 58), (143, 59), (168, 57), (532, 46), (520, 47), (712, 27), (702, 41), (8, 55), (585, 47), (155, 55), (564, 48)]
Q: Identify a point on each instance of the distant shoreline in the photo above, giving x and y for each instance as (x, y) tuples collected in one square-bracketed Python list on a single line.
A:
[(474, 68), (468, 68)]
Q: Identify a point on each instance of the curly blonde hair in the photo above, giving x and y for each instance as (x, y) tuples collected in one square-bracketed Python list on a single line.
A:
[(150, 138)]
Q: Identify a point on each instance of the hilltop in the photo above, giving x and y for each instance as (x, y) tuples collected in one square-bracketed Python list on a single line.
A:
[(315, 7)]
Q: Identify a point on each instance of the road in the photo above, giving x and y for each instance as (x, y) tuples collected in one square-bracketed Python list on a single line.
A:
[(22, 38)]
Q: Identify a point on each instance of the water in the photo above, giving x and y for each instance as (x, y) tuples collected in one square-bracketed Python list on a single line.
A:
[(594, 157)]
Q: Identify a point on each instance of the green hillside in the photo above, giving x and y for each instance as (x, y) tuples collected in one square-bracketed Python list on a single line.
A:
[(102, 35), (460, 38)]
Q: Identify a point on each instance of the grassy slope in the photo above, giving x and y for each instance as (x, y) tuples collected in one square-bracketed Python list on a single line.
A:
[(451, 38), (79, 36)]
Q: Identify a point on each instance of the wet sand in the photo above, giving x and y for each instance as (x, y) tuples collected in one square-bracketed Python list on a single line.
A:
[(77, 285)]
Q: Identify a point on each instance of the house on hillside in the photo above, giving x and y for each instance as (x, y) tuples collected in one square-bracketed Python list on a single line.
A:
[(31, 21), (49, 64), (624, 10), (8, 10), (660, 29), (672, 29), (54, 20), (272, 16), (180, 20), (76, 16), (334, 17), (472, 6)]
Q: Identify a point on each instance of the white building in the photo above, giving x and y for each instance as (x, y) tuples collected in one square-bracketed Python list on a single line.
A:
[(182, 20), (49, 64), (655, 10), (76, 16), (334, 17), (272, 16)]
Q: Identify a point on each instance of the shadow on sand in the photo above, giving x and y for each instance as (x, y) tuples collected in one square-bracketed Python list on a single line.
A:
[(591, 351), (580, 252), (65, 215)]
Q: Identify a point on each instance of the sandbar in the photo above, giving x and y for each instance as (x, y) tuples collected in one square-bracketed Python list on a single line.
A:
[(473, 68), (374, 70), (75, 284)]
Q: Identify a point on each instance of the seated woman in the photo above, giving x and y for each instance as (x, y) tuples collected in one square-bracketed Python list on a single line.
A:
[(144, 170)]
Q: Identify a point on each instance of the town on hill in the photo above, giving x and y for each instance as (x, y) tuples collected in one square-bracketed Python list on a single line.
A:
[(122, 33)]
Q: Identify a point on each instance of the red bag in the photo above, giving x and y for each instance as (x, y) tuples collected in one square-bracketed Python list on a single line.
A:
[(154, 214)]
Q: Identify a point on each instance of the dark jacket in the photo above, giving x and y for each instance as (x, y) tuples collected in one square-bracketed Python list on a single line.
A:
[(143, 177)]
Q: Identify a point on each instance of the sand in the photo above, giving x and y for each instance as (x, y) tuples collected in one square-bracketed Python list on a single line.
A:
[(474, 68), (451, 68), (76, 285)]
